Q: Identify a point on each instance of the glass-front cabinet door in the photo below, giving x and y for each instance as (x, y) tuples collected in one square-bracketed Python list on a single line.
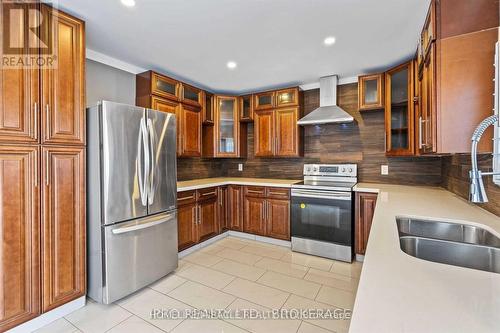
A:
[(399, 118), (191, 95), (371, 92), (165, 87), (287, 97), (227, 121), (246, 108), (264, 101), (208, 108)]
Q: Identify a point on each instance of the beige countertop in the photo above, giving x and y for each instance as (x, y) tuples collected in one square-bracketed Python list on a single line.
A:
[(208, 182), (400, 293)]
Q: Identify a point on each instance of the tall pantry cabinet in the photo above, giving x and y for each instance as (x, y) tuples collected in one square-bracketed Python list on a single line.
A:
[(42, 173)]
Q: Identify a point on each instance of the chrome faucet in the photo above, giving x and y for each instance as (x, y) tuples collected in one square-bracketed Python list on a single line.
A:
[(477, 194)]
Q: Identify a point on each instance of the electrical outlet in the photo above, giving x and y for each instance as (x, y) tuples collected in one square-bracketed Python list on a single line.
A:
[(384, 169), (240, 166)]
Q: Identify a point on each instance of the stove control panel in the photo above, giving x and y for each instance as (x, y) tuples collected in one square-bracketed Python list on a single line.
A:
[(346, 170)]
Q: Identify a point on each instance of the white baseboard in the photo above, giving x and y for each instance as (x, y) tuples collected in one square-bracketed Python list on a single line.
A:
[(48, 317), (360, 257), (261, 239)]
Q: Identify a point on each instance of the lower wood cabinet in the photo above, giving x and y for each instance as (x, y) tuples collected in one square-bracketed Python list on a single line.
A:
[(63, 225), (197, 216), (364, 209), (267, 211), (278, 219), (255, 220), (223, 208), (235, 205), (19, 235)]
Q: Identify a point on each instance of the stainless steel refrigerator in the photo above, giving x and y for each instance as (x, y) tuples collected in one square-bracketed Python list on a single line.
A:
[(132, 195)]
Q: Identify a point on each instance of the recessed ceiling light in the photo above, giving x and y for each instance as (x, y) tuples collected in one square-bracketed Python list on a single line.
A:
[(231, 64), (128, 3), (330, 40)]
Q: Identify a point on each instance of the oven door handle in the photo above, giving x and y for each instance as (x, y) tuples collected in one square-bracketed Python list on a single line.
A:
[(322, 195)]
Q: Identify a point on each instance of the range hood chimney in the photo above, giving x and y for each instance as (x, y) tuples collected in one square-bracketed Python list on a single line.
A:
[(328, 111)]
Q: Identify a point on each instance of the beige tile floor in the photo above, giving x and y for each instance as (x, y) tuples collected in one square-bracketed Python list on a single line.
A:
[(232, 274)]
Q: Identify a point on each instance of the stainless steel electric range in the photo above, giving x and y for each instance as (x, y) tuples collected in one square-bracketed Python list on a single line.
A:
[(322, 211)]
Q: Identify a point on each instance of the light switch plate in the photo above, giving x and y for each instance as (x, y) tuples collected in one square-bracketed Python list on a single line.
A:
[(240, 166), (384, 169)]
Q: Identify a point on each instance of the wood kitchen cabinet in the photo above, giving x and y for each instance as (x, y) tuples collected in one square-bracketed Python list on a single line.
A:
[(187, 219), (223, 208), (235, 203), (287, 97), (164, 94), (20, 91), (228, 137), (19, 235), (63, 225), (208, 108), (63, 88), (267, 212), (399, 113), (277, 133), (425, 111), (371, 92), (208, 225), (246, 108), (364, 209), (189, 131), (264, 100)]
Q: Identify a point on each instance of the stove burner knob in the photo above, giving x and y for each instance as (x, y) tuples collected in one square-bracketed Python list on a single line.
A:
[(343, 170), (315, 169), (350, 169)]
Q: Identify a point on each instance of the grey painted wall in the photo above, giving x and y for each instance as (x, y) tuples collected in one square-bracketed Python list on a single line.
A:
[(109, 83)]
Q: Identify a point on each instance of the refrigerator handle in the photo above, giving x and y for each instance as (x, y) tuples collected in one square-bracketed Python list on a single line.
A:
[(151, 190), (143, 169)]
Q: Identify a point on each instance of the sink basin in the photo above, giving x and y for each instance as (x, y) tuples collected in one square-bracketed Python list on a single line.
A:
[(450, 243), (456, 232)]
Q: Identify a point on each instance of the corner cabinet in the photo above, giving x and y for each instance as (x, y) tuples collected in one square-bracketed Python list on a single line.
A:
[(399, 113), (227, 137), (165, 94)]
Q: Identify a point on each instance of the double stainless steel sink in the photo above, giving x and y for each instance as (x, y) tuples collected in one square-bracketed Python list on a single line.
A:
[(450, 243)]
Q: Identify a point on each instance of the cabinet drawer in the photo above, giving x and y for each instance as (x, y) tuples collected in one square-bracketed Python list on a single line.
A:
[(207, 193), (186, 197), (278, 193), (255, 191)]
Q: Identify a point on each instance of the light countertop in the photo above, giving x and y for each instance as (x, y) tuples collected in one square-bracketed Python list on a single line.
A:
[(209, 182), (400, 293)]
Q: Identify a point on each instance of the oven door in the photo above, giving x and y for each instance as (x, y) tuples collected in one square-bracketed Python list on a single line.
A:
[(322, 215)]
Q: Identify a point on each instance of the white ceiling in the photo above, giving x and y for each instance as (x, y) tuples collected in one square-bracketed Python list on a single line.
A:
[(274, 42)]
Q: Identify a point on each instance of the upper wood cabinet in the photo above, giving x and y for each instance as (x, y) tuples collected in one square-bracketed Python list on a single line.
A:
[(164, 105), (208, 108), (371, 92), (20, 90), (264, 101), (246, 108), (164, 86), (63, 88), (189, 131), (426, 104), (63, 225), (287, 97), (399, 115), (191, 95), (19, 235), (428, 34), (228, 137), (277, 134), (364, 209)]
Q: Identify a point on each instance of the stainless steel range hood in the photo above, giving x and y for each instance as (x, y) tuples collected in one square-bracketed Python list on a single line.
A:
[(328, 111)]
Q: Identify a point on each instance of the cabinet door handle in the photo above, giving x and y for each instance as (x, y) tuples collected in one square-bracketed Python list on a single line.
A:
[(47, 171), (420, 127), (35, 117), (47, 121)]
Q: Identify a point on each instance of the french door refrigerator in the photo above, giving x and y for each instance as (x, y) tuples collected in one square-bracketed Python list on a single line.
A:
[(132, 195)]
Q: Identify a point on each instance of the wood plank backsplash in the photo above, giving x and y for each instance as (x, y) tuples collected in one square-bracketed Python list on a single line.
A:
[(361, 142), (456, 178)]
